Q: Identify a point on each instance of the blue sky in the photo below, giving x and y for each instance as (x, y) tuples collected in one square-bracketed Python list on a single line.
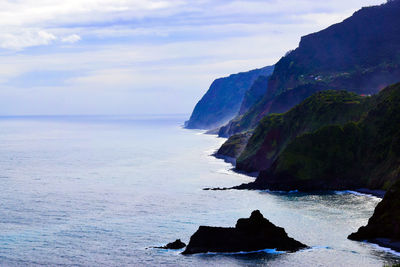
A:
[(142, 56)]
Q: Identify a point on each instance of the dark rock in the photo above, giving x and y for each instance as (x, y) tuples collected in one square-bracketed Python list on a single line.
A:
[(177, 244), (383, 227), (252, 234), (217, 189)]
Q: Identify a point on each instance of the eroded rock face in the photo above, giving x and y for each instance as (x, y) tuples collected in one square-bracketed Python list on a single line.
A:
[(383, 227), (252, 234)]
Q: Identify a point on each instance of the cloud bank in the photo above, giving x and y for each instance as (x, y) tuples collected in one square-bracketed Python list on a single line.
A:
[(142, 56)]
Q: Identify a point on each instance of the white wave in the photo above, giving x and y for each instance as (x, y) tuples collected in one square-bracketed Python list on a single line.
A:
[(279, 192), (385, 249), (317, 247), (269, 251), (224, 171), (347, 192)]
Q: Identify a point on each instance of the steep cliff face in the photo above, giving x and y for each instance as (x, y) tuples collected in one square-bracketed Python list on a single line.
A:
[(367, 39), (224, 98), (383, 227), (280, 104), (254, 94), (360, 54), (276, 131), (234, 146), (363, 154)]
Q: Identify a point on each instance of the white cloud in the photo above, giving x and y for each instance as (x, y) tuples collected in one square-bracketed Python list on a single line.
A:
[(73, 38), (20, 38)]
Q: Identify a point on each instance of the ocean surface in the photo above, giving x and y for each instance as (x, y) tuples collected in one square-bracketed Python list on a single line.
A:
[(101, 190)]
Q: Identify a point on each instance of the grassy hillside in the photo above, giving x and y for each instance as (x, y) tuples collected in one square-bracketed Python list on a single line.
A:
[(355, 155), (235, 145), (275, 131)]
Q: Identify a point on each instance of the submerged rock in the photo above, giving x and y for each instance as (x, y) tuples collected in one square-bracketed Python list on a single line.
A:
[(252, 234), (383, 227), (177, 244)]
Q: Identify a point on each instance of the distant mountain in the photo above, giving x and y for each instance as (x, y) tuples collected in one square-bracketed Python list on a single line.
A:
[(360, 54), (363, 154), (224, 99)]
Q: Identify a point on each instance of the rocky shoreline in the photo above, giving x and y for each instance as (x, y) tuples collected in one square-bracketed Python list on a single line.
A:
[(330, 119), (383, 227)]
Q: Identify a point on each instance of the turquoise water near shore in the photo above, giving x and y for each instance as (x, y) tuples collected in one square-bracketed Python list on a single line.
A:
[(101, 190)]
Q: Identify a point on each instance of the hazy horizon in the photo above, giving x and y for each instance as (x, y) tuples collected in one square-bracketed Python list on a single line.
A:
[(142, 57)]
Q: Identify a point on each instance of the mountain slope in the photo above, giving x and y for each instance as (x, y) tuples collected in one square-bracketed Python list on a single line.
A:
[(223, 100), (360, 54), (363, 154), (275, 131), (254, 94)]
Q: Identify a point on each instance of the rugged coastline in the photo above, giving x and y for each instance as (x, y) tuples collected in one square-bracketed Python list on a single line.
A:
[(383, 227), (329, 119)]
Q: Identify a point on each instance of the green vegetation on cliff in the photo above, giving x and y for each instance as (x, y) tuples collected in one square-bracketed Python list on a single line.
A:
[(355, 155), (275, 131), (235, 145)]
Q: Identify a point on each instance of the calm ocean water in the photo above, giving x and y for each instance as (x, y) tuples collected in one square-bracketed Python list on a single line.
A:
[(98, 191)]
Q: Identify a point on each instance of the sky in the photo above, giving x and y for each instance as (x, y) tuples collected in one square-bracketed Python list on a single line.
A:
[(60, 57)]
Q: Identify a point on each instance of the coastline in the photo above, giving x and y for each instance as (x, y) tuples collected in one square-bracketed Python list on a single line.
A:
[(232, 161), (386, 245), (359, 191), (383, 245), (367, 192)]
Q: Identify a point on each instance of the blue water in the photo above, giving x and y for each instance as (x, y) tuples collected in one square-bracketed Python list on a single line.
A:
[(98, 191)]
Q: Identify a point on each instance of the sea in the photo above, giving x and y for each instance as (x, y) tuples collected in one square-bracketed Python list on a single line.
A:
[(105, 190)]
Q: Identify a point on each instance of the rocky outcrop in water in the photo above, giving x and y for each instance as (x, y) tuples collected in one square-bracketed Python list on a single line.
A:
[(383, 227), (177, 244), (252, 234)]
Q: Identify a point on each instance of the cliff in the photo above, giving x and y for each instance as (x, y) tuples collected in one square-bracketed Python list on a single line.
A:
[(276, 131), (360, 54), (224, 98), (383, 227), (363, 154)]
